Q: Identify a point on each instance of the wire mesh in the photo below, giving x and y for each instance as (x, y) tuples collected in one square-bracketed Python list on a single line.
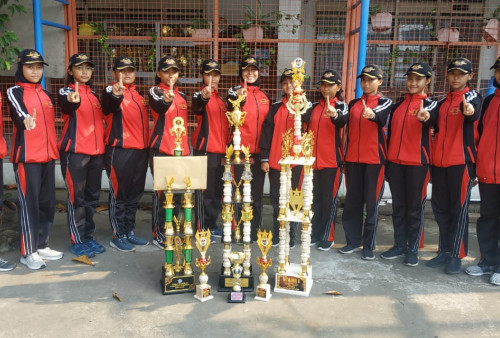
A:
[(322, 32)]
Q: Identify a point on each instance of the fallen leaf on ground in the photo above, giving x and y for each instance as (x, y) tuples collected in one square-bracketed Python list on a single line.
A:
[(10, 205), (333, 292), (11, 186), (83, 259), (61, 207), (102, 208), (115, 295)]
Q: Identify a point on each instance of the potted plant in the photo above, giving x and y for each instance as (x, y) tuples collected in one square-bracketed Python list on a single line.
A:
[(448, 34), (491, 31), (201, 29), (381, 21), (255, 21)]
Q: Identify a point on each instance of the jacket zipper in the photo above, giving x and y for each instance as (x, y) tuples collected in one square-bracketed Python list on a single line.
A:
[(45, 122), (258, 114), (446, 129), (140, 114), (93, 117), (403, 126)]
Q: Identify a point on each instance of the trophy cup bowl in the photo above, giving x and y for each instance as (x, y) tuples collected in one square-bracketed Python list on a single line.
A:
[(236, 295)]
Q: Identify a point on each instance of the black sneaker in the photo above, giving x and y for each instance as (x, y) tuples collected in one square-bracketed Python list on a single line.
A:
[(440, 260), (411, 258), (454, 266), (5, 265), (368, 254), (394, 252), (349, 249), (325, 245), (314, 241), (292, 244), (275, 241)]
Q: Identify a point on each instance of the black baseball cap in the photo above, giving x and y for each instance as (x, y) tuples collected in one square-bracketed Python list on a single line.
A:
[(209, 65), (420, 68), (29, 57), (331, 77), (372, 71), (79, 59), (249, 61), (287, 73), (496, 64), (462, 64), (167, 62), (122, 62)]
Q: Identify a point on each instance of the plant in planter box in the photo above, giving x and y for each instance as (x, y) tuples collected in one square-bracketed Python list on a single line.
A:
[(201, 29), (381, 21), (491, 31), (448, 34)]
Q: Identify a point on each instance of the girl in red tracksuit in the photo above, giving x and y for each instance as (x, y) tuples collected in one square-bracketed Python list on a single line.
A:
[(126, 158), (81, 147), (328, 116), (256, 104), (34, 151), (488, 175), (278, 121), (453, 165), (210, 138), (365, 163), (167, 103), (408, 155)]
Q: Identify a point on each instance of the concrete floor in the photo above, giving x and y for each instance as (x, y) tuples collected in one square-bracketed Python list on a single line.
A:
[(379, 298)]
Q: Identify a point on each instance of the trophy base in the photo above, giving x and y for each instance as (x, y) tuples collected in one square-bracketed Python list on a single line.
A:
[(236, 297), (177, 283), (292, 283), (263, 292), (203, 293), (226, 282)]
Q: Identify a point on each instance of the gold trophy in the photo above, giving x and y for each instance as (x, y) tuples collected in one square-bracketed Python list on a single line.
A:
[(178, 130), (236, 119), (264, 241), (203, 290), (236, 295)]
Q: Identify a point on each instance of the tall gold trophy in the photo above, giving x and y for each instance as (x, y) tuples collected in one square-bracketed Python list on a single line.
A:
[(227, 278), (264, 241), (203, 290), (295, 205)]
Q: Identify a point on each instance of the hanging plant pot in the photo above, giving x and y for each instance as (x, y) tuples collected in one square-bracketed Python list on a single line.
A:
[(202, 34), (492, 31), (253, 33), (381, 22), (448, 34)]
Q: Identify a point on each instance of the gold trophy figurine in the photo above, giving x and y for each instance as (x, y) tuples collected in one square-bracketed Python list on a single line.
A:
[(236, 119), (203, 290), (236, 295), (264, 240), (178, 130)]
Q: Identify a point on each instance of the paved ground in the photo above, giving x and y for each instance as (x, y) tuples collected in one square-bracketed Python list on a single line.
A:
[(379, 298)]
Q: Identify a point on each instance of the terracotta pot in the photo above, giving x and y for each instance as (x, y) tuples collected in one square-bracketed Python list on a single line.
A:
[(492, 31), (448, 34), (253, 33), (202, 34), (381, 22)]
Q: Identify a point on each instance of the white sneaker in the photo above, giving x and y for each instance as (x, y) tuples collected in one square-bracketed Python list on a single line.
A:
[(495, 278), (33, 261), (49, 254)]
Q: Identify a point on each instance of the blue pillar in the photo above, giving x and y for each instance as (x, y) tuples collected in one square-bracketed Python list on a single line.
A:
[(37, 23), (362, 45), (491, 87)]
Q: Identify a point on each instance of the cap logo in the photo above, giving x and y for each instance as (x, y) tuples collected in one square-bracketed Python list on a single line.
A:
[(459, 63), (170, 61), (212, 64), (82, 56), (33, 55), (126, 61), (368, 69), (328, 74), (416, 67), (250, 60)]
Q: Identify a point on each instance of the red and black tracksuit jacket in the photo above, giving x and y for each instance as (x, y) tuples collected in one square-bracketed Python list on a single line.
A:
[(210, 138), (161, 139), (328, 151), (162, 142), (488, 175), (277, 121), (408, 155), (364, 169), (256, 105), (126, 157), (453, 169), (82, 148), (33, 154)]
